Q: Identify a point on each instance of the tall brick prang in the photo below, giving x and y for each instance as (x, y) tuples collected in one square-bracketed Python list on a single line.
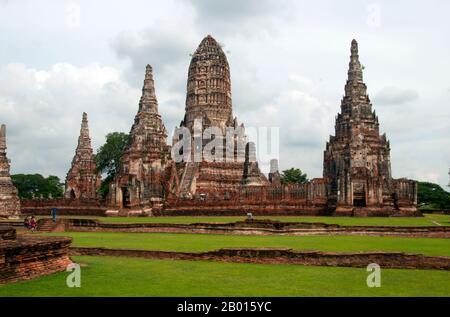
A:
[(139, 183), (209, 105), (82, 180), (9, 199), (357, 159)]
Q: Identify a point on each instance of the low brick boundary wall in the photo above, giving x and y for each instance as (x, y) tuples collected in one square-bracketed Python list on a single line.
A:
[(29, 257), (241, 210), (66, 207), (284, 256), (258, 227), (7, 233)]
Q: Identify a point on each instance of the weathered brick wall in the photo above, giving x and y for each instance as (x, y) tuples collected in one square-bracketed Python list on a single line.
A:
[(302, 199), (30, 257), (7, 233), (67, 207)]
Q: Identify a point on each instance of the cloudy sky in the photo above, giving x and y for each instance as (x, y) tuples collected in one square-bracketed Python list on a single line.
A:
[(288, 64)]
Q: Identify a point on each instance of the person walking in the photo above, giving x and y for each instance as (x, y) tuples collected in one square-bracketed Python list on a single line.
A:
[(54, 214)]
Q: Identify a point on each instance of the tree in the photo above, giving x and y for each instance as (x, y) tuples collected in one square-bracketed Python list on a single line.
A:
[(293, 176), (108, 158), (432, 196), (36, 185)]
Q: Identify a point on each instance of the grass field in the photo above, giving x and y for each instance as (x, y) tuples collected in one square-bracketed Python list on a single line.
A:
[(203, 242), (109, 276), (120, 276), (427, 220)]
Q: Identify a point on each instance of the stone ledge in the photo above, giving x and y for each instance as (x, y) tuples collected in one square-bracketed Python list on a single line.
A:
[(29, 257), (7, 233), (259, 227), (285, 256)]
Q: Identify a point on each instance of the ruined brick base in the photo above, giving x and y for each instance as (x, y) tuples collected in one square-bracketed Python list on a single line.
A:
[(256, 227), (350, 211), (66, 207), (28, 257), (242, 210), (285, 256)]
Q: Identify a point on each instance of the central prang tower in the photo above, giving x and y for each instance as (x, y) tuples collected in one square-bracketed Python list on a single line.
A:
[(209, 87), (209, 105)]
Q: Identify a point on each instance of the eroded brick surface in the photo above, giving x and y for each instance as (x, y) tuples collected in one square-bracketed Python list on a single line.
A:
[(29, 257), (82, 180), (9, 199)]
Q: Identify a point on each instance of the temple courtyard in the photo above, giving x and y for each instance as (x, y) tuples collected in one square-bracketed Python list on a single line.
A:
[(155, 275)]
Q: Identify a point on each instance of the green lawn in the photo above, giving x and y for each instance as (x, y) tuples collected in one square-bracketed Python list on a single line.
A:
[(207, 242), (109, 276), (345, 221)]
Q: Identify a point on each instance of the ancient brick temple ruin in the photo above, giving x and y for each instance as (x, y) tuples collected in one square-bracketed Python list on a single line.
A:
[(158, 179), (9, 199), (357, 159), (209, 106), (82, 180), (24, 256), (141, 179)]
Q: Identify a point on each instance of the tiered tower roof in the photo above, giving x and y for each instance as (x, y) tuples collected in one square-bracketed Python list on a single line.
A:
[(148, 133), (82, 180), (209, 86)]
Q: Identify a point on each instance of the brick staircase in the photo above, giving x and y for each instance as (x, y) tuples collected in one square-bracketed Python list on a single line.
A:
[(47, 225), (188, 176)]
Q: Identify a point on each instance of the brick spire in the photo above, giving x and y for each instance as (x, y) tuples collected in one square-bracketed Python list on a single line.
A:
[(148, 102), (9, 200), (3, 139), (84, 141), (354, 68), (4, 164), (82, 180), (355, 87)]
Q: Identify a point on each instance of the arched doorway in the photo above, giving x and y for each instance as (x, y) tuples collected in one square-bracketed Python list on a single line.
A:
[(125, 197), (359, 195), (70, 194)]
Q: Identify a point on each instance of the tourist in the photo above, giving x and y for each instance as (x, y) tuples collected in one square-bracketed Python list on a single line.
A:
[(54, 214), (33, 224), (26, 222)]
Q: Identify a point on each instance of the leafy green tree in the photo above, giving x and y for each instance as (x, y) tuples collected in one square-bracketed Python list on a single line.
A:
[(293, 176), (36, 185), (108, 158), (432, 196)]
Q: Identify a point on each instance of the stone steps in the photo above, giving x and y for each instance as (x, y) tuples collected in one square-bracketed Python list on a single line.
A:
[(188, 176), (47, 225)]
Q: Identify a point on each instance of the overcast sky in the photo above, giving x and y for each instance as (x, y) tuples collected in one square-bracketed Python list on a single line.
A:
[(288, 63)]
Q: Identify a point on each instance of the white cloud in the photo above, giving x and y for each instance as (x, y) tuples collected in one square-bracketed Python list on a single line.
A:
[(42, 110), (395, 96)]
